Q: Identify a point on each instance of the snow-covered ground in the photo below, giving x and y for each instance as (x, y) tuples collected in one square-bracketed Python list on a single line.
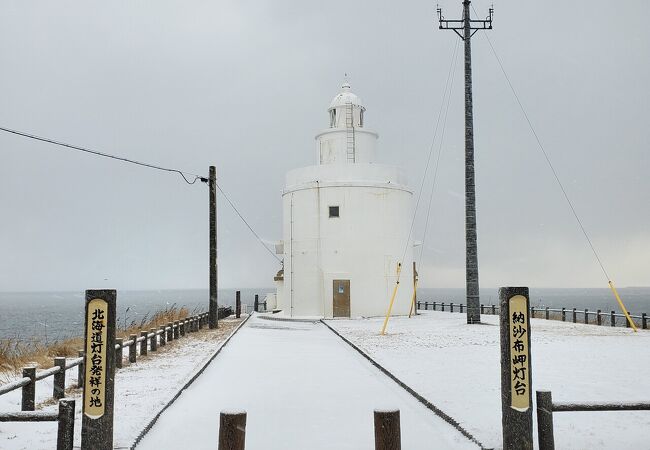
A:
[(303, 389), (456, 367), (141, 390)]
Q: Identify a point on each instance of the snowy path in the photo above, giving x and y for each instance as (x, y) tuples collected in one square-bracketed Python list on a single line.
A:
[(302, 388), (456, 367)]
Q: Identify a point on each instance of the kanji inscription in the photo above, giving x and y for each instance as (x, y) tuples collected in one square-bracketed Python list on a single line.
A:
[(95, 359), (519, 354)]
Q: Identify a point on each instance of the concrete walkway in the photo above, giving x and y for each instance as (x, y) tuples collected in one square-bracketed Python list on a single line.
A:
[(302, 388)]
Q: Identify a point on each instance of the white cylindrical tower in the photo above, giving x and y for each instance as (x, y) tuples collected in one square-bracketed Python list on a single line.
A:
[(345, 225)]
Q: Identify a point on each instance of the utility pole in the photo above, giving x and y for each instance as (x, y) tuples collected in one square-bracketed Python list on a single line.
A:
[(213, 315), (469, 27)]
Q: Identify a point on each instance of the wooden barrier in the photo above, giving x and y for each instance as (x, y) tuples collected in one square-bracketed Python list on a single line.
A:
[(58, 391), (546, 407), (232, 430), (387, 430), (65, 419), (133, 348)]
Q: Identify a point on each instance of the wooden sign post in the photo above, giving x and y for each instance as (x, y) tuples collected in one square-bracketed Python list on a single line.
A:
[(516, 381), (99, 368)]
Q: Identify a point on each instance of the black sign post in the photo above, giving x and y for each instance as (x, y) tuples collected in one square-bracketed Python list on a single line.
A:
[(99, 368), (516, 380)]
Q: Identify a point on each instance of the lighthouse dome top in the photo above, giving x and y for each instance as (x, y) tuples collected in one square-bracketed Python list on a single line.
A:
[(346, 97)]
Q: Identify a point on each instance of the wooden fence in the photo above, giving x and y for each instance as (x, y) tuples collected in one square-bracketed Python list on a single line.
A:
[(546, 407), (574, 315), (65, 419), (148, 341)]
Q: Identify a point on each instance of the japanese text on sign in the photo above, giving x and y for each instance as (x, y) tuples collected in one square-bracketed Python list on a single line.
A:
[(519, 354), (95, 359)]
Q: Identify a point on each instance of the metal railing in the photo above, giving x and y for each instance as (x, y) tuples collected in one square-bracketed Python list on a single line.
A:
[(546, 407), (599, 317)]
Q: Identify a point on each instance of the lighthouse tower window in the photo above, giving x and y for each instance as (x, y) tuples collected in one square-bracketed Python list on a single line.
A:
[(334, 211), (332, 118)]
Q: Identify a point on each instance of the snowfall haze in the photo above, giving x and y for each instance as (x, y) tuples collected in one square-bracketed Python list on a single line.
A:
[(245, 86)]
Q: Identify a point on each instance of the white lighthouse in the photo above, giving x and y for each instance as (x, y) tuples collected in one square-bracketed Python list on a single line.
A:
[(345, 225)]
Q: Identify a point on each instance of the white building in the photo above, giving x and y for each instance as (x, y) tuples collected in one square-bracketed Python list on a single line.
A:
[(345, 224)]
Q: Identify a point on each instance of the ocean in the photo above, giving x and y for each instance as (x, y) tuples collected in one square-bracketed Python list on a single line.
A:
[(51, 316)]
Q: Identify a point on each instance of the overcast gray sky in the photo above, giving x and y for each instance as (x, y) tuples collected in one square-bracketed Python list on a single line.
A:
[(245, 85)]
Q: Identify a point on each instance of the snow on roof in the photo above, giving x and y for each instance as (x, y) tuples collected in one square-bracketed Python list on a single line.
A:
[(345, 97)]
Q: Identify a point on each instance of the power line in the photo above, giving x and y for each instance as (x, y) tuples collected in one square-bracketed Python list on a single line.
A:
[(106, 155), (431, 148), (440, 143), (183, 174), (247, 224), (548, 159)]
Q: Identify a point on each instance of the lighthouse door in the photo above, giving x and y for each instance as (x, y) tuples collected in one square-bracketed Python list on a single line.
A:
[(341, 298)]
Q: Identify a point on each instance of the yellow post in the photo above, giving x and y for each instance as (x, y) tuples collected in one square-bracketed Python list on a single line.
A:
[(620, 302), (392, 299)]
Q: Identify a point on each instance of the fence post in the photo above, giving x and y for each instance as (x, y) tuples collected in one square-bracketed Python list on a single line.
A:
[(627, 322), (80, 369), (177, 331), (434, 306), (547, 313), (163, 339), (232, 430), (442, 306), (545, 420), (143, 344), (256, 303), (58, 390), (426, 306), (586, 316), (387, 430), (613, 319), (516, 379), (182, 325), (170, 331), (29, 390), (118, 353), (563, 314), (574, 315), (644, 321), (598, 318), (133, 348), (237, 304), (154, 340), (451, 307), (482, 309), (99, 379), (494, 310), (65, 435), (461, 308)]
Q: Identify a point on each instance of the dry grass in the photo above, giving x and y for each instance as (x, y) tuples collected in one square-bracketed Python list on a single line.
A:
[(16, 353)]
